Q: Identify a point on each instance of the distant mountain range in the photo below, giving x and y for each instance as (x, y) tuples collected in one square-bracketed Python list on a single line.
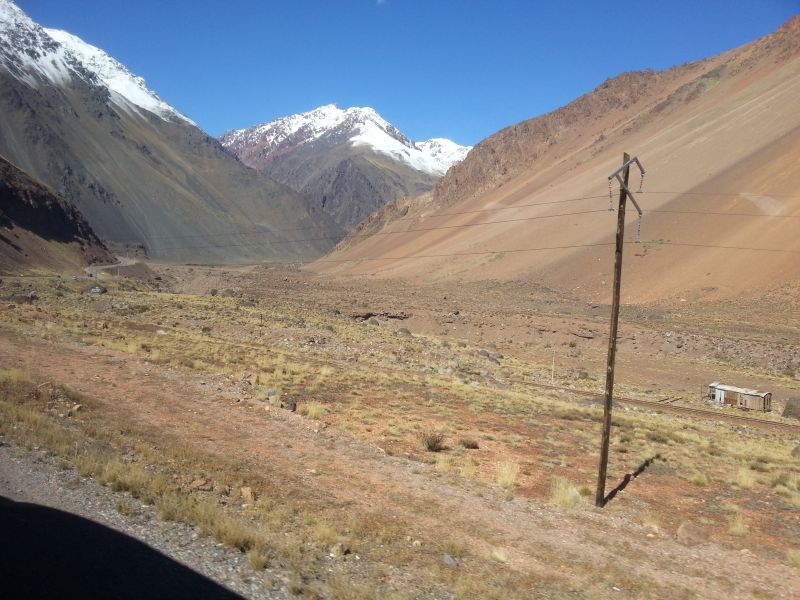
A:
[(139, 171), (347, 162)]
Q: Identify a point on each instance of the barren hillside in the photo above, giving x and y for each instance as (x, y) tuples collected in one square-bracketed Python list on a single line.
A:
[(39, 230), (720, 139)]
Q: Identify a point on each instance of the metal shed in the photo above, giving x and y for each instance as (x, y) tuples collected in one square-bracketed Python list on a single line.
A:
[(728, 395)]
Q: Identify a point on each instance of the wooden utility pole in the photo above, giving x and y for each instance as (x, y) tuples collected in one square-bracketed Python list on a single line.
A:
[(600, 496)]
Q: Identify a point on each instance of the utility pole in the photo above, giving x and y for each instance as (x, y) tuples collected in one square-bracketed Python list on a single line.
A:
[(624, 193)]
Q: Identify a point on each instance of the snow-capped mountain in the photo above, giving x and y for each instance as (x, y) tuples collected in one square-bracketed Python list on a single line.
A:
[(141, 173), (40, 56), (349, 161), (125, 87), (359, 126)]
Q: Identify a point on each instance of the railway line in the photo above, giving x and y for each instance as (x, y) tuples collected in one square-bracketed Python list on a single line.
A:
[(666, 407)]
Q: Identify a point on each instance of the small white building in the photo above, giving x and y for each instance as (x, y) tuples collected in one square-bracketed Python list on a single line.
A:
[(728, 395)]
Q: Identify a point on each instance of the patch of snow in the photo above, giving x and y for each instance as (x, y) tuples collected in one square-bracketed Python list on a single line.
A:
[(122, 83), (445, 153), (40, 56)]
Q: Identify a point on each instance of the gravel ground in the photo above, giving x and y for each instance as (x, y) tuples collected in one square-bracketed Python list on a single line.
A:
[(33, 477)]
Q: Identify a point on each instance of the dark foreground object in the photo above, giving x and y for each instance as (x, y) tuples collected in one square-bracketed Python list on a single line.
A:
[(47, 553)]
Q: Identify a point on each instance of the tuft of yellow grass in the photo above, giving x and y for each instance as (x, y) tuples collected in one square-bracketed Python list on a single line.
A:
[(744, 478), (698, 479), (507, 474), (738, 526), (793, 558), (313, 410), (499, 555), (563, 493)]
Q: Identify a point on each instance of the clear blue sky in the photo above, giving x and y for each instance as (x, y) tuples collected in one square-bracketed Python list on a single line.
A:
[(461, 69)]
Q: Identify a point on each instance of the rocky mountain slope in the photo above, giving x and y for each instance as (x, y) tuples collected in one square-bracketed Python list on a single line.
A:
[(39, 230), (348, 162), (138, 170), (720, 139)]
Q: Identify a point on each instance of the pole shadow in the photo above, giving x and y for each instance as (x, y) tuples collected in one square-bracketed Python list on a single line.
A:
[(630, 477), (47, 554)]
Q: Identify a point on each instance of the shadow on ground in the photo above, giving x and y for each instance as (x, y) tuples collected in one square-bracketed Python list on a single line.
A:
[(630, 477), (46, 553)]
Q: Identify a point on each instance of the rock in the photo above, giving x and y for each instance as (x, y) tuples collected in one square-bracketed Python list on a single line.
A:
[(796, 452), (339, 550), (691, 534), (450, 561), (373, 321), (792, 408), (247, 494), (96, 289), (403, 331), (416, 543)]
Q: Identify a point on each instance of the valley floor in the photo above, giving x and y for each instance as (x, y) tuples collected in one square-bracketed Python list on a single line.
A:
[(181, 372)]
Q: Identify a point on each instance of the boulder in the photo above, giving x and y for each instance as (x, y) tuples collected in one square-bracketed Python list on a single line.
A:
[(792, 408)]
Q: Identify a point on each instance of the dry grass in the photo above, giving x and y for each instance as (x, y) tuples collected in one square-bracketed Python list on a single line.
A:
[(499, 555), (744, 478), (507, 474), (313, 410), (738, 526), (222, 350), (793, 558), (563, 493)]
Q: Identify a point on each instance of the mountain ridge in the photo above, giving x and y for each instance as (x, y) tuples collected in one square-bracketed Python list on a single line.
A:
[(347, 162), (719, 139), (139, 171)]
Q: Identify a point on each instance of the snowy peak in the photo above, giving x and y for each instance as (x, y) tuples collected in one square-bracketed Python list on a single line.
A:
[(29, 53), (357, 126), (49, 56), (123, 85), (444, 151)]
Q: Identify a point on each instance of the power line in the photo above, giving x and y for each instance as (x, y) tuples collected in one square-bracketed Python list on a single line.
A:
[(495, 208), (402, 231), (720, 194), (457, 213), (719, 213)]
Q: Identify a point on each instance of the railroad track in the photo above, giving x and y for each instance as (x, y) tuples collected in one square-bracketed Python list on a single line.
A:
[(666, 407)]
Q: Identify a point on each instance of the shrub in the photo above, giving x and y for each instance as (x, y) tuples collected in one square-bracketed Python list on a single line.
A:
[(469, 443), (432, 441)]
